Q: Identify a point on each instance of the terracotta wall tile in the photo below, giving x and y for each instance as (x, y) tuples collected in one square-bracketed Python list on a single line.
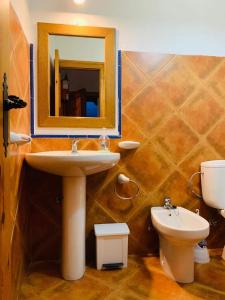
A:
[(202, 66), (176, 139), (148, 166), (15, 190), (202, 111), (216, 138), (176, 82), (192, 162), (173, 105), (130, 130), (143, 232), (152, 109), (217, 80), (180, 195), (149, 63), (133, 80)]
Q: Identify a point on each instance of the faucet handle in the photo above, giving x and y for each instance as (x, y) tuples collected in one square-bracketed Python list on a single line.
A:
[(167, 200), (168, 203), (75, 141), (74, 145)]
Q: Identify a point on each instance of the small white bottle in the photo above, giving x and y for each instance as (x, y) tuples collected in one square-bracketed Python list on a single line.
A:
[(104, 141)]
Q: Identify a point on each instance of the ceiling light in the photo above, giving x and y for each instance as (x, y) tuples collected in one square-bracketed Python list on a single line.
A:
[(78, 1)]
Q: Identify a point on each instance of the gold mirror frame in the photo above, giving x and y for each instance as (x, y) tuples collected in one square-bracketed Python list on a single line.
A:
[(107, 119)]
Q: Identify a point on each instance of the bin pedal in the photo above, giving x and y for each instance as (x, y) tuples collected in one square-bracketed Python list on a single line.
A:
[(112, 266)]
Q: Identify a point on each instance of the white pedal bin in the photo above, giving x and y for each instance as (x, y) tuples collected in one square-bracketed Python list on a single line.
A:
[(111, 245)]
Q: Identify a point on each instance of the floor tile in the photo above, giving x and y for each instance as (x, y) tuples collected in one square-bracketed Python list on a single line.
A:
[(43, 276), (86, 288), (114, 278), (144, 279)]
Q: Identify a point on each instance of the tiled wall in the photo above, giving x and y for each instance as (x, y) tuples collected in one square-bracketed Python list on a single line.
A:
[(14, 170), (174, 105)]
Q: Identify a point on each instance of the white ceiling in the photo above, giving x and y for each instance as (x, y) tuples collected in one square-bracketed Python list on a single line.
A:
[(180, 26), (97, 7), (134, 8)]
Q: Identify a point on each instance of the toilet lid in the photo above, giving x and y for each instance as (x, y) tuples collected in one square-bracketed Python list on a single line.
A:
[(213, 164)]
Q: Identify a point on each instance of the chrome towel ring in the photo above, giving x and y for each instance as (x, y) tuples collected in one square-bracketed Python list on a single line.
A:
[(123, 179)]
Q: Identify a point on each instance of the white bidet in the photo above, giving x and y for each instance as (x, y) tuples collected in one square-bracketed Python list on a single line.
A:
[(179, 230)]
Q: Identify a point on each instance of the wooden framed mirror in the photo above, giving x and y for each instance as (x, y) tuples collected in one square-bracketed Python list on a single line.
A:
[(76, 76)]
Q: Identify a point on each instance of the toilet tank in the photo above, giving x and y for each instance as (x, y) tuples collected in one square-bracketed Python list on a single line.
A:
[(213, 183)]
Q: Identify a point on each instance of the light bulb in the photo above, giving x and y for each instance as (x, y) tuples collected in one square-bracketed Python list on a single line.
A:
[(78, 1)]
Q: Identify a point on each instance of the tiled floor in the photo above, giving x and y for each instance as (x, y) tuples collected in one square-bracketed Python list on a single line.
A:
[(143, 279)]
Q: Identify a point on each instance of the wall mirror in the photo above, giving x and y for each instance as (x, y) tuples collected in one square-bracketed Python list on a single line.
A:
[(76, 76)]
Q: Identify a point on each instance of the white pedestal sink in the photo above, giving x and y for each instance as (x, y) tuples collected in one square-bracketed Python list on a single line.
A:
[(74, 167)]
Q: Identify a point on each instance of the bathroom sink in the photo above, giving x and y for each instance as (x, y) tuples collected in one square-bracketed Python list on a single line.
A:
[(73, 167), (67, 163)]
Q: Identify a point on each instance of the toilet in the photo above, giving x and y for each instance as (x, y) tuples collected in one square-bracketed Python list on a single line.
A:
[(179, 230), (213, 186)]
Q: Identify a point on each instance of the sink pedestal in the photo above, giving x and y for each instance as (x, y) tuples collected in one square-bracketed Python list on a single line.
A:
[(74, 217), (73, 167)]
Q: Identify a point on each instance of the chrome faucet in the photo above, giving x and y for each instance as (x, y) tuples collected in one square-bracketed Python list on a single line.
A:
[(168, 204), (74, 146)]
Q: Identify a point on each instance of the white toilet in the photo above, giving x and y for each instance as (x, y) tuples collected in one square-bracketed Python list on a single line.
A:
[(179, 230), (213, 186)]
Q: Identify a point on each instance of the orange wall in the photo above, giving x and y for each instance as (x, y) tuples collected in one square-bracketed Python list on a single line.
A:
[(14, 171), (174, 105)]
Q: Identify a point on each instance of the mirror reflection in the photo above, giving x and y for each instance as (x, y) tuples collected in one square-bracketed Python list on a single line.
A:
[(77, 82)]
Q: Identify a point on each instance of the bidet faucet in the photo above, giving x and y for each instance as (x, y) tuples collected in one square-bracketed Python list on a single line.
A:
[(168, 204), (74, 146)]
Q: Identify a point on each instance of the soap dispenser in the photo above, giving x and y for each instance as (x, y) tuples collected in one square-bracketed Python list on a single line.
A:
[(104, 141)]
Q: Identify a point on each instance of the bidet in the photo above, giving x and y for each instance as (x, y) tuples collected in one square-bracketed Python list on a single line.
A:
[(179, 230)]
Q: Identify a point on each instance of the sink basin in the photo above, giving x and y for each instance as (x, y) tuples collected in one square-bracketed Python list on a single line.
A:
[(73, 167), (66, 163)]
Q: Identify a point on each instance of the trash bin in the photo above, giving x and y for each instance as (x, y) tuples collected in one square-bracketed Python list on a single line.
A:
[(111, 245)]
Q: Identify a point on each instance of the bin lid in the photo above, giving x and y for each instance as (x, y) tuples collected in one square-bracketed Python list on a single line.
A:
[(111, 229)]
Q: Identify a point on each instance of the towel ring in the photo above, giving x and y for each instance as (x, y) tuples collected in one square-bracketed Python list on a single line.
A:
[(127, 198), (190, 185)]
